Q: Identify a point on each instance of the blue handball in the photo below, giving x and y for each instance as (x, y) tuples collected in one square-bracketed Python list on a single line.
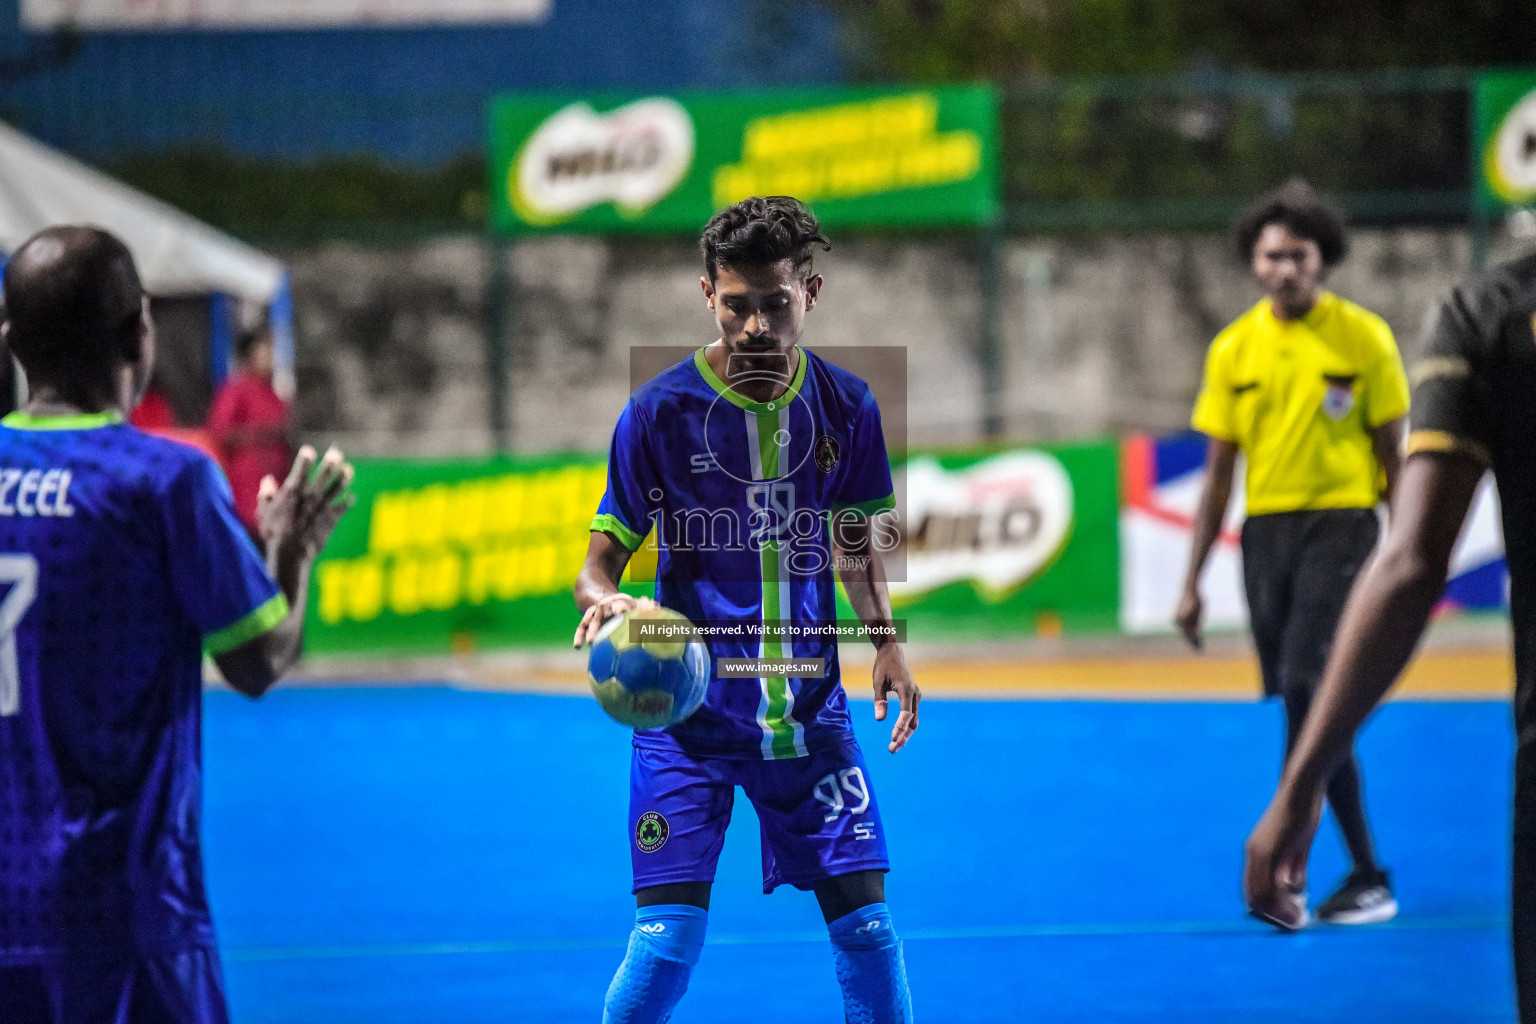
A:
[(648, 668)]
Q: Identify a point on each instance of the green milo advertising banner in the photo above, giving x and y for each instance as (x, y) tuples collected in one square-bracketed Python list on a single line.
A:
[(1009, 542), (1504, 153), (462, 555), (865, 157), (455, 555)]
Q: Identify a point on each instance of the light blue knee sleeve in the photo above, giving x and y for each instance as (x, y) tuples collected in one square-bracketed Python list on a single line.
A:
[(663, 948), (870, 968)]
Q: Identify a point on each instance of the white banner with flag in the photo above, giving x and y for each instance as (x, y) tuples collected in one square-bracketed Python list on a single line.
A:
[(1161, 481), (270, 14)]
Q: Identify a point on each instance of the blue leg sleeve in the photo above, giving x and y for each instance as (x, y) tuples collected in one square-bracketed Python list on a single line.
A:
[(870, 968), (663, 948)]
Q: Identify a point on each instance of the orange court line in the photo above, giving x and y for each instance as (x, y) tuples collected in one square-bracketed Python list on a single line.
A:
[(1434, 674)]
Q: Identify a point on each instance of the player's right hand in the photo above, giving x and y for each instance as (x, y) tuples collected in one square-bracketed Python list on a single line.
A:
[(1191, 611), (296, 518), (1275, 858), (604, 608), (891, 675)]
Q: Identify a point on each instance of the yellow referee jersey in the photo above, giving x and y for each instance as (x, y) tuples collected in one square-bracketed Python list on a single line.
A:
[(1300, 398)]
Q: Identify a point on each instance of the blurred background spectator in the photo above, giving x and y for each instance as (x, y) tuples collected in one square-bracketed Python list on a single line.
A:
[(249, 423)]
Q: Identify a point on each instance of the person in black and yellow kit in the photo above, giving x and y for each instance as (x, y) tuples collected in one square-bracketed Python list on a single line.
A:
[(1310, 388)]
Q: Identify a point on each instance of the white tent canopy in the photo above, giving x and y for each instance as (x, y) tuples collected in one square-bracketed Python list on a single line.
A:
[(176, 253)]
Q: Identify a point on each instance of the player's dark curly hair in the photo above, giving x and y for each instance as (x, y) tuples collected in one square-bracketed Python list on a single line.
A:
[(762, 230), (1303, 213)]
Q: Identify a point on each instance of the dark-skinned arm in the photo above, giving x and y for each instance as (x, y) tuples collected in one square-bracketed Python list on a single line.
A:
[(296, 520), (1381, 625), (597, 585), (255, 666), (1220, 463), (1387, 443), (862, 573)]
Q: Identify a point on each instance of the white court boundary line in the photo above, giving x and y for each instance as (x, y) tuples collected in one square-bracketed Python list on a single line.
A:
[(1237, 928)]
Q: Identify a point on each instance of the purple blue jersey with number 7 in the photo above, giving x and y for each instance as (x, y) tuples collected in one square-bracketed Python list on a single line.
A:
[(121, 562)]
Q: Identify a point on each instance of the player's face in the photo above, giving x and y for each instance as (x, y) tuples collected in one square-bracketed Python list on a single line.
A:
[(761, 308), (1290, 268)]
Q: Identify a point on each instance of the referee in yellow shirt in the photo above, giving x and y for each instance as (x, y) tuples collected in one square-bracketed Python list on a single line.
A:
[(1310, 388)]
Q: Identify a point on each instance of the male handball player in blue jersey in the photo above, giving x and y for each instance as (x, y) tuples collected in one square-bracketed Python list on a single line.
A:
[(760, 465), (121, 562)]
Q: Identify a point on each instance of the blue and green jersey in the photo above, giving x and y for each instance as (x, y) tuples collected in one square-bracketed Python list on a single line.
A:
[(121, 562), (743, 496)]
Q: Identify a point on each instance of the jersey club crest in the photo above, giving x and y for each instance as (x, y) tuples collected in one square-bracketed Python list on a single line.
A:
[(827, 453), (651, 832)]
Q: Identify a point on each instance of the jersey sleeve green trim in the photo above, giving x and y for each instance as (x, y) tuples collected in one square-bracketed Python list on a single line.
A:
[(736, 398), (606, 522), (868, 508), (267, 614), (83, 421)]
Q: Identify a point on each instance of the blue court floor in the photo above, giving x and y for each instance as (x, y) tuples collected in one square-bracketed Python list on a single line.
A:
[(401, 855)]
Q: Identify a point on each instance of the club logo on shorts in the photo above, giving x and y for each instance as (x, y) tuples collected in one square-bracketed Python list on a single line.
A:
[(1340, 397), (827, 453), (651, 832)]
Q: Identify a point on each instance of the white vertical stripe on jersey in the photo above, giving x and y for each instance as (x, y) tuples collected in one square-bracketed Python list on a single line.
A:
[(754, 449), (786, 607), (755, 454)]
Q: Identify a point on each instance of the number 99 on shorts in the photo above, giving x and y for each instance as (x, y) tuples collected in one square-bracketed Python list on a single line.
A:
[(830, 791)]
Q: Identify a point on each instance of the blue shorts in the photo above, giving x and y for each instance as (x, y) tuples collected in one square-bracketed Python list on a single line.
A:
[(818, 816), (176, 988)]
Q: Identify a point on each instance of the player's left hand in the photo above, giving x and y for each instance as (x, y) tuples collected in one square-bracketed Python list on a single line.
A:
[(893, 676), (296, 518), (603, 609), (1275, 857)]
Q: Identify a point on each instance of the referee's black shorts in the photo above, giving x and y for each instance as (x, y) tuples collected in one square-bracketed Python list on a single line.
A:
[(1298, 568)]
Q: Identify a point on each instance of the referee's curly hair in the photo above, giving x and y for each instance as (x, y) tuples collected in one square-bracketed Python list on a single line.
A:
[(762, 230), (1302, 212)]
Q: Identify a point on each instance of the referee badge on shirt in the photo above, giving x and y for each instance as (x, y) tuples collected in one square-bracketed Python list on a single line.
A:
[(1339, 399)]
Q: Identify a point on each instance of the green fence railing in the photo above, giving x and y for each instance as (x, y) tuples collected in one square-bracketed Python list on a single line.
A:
[(1188, 152), (1124, 154)]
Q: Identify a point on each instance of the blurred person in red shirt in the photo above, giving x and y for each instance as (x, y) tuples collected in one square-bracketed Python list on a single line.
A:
[(154, 410), (249, 423)]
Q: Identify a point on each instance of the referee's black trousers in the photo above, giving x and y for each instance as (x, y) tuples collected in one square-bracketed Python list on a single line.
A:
[(1298, 569)]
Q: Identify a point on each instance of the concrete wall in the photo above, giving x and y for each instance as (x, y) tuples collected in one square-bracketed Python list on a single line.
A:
[(1098, 335), (391, 347), (1110, 334)]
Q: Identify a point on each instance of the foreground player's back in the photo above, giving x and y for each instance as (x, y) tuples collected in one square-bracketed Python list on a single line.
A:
[(121, 560)]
